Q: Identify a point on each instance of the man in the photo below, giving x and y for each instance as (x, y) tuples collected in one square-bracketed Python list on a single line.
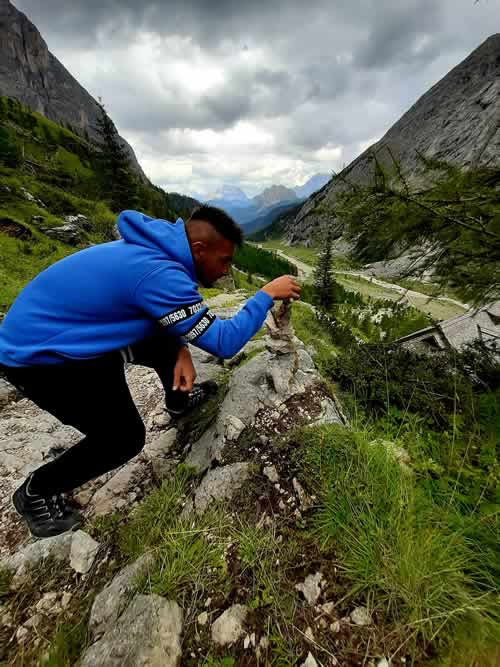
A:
[(65, 339)]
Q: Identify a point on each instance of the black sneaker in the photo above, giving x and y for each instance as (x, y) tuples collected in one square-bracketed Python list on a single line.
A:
[(46, 516), (198, 395)]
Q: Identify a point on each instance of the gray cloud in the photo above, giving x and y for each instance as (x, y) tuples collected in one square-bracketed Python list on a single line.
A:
[(313, 75)]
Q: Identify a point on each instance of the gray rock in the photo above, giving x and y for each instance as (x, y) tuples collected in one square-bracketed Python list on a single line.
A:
[(271, 473), (48, 604), (361, 616), (162, 446), (220, 484), (67, 233), (79, 220), (310, 661), (266, 380), (34, 621), (311, 587), (329, 414), (163, 468), (162, 420), (8, 393), (233, 428), (147, 634), (84, 549), (203, 618), (118, 486), (112, 600), (33, 554), (229, 627)]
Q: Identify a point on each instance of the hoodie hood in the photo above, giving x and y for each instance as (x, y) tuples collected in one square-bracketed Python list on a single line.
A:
[(169, 238)]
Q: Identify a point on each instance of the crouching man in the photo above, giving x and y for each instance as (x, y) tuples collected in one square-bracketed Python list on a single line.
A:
[(67, 336)]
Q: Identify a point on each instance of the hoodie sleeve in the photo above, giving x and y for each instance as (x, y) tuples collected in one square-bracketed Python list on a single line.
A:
[(170, 297)]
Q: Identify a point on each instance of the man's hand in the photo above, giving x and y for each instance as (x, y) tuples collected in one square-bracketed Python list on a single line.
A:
[(184, 371), (284, 287)]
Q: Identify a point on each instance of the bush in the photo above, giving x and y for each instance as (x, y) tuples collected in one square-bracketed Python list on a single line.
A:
[(438, 387)]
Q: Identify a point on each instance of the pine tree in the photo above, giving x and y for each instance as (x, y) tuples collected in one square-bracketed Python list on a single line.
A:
[(118, 184), (324, 282)]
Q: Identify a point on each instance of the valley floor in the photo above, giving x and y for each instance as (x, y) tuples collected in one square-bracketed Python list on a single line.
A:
[(437, 307)]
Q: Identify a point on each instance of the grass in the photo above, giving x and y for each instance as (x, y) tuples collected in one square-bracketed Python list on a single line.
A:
[(59, 639), (188, 551), (306, 255), (438, 310), (312, 334), (395, 546), (210, 292)]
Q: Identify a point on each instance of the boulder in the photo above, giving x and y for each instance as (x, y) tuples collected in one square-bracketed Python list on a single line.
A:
[(148, 633), (111, 601), (33, 554), (266, 380), (117, 487), (220, 484), (67, 233)]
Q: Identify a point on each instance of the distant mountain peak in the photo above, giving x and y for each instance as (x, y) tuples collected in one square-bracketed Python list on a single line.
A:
[(273, 195), (229, 193)]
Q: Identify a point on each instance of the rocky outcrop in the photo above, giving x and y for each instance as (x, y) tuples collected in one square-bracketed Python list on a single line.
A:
[(148, 633), (30, 73), (273, 387), (457, 120)]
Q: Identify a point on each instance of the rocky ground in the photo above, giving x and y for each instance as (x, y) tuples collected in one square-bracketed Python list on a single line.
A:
[(270, 388)]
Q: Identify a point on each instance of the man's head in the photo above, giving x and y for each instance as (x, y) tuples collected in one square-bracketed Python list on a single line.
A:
[(212, 236)]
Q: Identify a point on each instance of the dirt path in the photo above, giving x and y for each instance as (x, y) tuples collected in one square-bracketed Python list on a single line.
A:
[(440, 308)]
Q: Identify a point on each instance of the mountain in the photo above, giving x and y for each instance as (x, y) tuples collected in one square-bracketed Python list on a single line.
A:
[(229, 193), (30, 73), (311, 186), (267, 216), (274, 195), (457, 121)]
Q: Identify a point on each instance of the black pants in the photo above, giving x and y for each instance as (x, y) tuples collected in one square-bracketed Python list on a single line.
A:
[(93, 396)]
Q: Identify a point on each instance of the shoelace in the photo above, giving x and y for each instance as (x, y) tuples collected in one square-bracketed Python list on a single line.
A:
[(47, 509), (196, 396), (59, 505)]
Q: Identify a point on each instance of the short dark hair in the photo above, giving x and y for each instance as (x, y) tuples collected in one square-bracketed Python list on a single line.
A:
[(220, 221)]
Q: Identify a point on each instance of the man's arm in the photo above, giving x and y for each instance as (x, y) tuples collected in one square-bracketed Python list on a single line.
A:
[(171, 297), (224, 338)]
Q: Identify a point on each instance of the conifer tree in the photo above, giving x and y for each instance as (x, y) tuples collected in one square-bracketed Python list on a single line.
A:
[(324, 282), (118, 185)]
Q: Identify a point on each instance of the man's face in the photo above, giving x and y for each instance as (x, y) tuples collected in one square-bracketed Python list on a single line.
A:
[(212, 259)]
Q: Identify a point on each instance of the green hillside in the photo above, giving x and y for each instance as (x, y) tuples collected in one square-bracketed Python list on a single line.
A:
[(46, 173)]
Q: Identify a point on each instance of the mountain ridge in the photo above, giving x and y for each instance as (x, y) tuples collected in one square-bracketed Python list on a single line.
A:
[(30, 73), (456, 120)]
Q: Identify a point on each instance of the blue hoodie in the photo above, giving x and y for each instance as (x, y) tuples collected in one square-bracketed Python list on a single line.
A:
[(112, 295)]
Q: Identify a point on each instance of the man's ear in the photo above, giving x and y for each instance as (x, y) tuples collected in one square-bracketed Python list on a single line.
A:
[(198, 249)]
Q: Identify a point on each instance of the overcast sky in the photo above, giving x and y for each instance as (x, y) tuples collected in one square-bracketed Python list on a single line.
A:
[(262, 92)]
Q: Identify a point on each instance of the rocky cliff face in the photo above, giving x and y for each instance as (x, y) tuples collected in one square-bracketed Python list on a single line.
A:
[(30, 73), (457, 120)]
